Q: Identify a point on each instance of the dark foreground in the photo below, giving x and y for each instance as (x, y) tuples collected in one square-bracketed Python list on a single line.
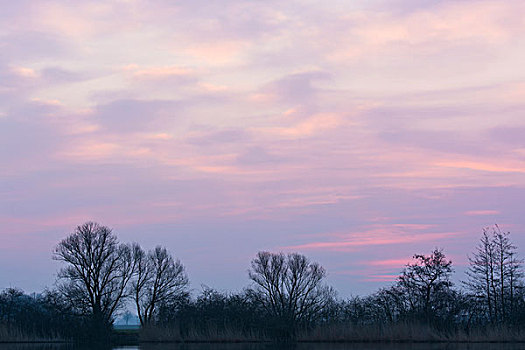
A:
[(396, 336), (268, 346)]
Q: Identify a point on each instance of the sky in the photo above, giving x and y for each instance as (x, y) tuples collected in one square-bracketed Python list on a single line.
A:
[(355, 132)]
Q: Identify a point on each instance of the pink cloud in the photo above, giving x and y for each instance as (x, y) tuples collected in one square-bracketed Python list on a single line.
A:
[(382, 235), (305, 201), (159, 72), (389, 263), (313, 125), (91, 150), (438, 27), (496, 166), (482, 212), (224, 52), (160, 136), (25, 72), (370, 275), (380, 278)]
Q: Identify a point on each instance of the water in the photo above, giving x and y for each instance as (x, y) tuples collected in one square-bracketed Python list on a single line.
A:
[(313, 346)]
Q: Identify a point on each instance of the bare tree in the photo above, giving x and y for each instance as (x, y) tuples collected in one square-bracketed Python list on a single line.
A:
[(97, 271), (290, 287), (481, 274), (427, 281), (158, 279), (495, 274), (127, 316)]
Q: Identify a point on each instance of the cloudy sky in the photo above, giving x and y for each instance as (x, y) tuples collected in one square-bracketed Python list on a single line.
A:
[(355, 132)]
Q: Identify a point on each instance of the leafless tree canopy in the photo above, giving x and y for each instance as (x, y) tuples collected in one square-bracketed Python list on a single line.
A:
[(158, 279), (495, 274), (97, 270), (289, 286), (426, 280)]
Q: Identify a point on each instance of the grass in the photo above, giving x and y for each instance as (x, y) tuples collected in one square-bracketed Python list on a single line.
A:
[(13, 335)]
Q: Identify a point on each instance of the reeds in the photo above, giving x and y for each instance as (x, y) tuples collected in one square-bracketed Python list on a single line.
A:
[(410, 332), (209, 334), (342, 333), (15, 335), (400, 332)]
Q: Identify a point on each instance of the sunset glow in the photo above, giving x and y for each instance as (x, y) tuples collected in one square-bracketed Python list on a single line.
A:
[(358, 133)]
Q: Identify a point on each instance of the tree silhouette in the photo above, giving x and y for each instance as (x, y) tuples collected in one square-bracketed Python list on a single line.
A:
[(290, 287), (495, 273), (426, 282), (97, 271), (158, 280)]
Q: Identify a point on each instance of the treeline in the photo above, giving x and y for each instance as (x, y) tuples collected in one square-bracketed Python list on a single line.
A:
[(37, 317), (287, 299)]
